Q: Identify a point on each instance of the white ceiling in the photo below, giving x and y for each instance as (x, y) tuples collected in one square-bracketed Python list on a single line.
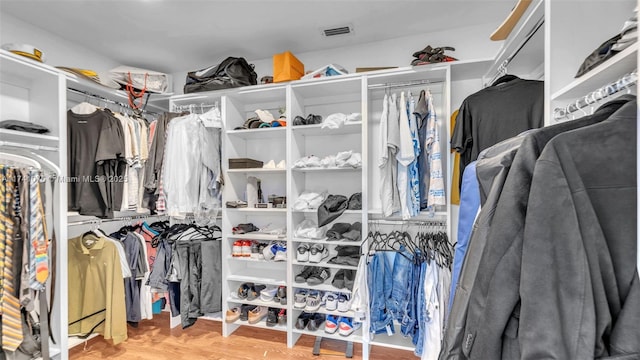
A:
[(160, 34)]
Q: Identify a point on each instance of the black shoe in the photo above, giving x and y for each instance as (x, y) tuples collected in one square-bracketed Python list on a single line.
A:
[(304, 275), (303, 320), (254, 291), (316, 321), (319, 276), (244, 289), (244, 311), (272, 317)]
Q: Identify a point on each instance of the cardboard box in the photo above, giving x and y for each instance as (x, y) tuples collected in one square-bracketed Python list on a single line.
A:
[(286, 67)]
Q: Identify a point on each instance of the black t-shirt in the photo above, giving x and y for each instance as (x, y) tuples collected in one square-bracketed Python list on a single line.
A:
[(497, 113), (96, 163)]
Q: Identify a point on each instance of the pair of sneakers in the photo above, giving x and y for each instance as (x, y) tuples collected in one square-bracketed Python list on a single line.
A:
[(310, 300), (337, 301), (271, 164), (276, 316), (314, 253), (276, 251), (311, 321), (241, 248), (313, 275), (345, 326)]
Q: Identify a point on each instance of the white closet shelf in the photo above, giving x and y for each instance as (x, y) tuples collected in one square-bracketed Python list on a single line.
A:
[(610, 70), (27, 137), (267, 278), (264, 133), (257, 236), (257, 171), (317, 130), (267, 210), (309, 211), (320, 332), (327, 169), (326, 286), (324, 263), (22, 67), (254, 260), (376, 214), (330, 242), (74, 341), (257, 302), (330, 86), (323, 310), (396, 341), (262, 324)]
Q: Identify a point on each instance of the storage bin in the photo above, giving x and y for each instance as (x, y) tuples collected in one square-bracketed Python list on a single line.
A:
[(286, 67)]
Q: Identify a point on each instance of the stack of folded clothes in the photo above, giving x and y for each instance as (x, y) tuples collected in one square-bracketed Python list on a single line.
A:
[(346, 231), (309, 200), (344, 159), (335, 205), (308, 229)]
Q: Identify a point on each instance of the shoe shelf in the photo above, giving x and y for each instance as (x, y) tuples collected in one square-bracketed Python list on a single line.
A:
[(267, 278), (254, 260), (257, 171), (257, 236), (262, 324), (324, 263), (326, 241), (327, 169), (257, 302), (317, 130), (259, 133), (326, 286), (355, 337), (323, 310)]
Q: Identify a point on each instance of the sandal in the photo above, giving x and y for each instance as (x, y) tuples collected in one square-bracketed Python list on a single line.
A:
[(254, 292)]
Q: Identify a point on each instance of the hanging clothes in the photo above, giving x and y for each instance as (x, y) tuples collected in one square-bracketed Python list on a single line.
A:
[(95, 159)]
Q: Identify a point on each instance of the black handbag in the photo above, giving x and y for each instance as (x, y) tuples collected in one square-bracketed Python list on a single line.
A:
[(232, 72)]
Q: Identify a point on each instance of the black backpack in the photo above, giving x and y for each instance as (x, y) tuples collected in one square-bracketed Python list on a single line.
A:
[(232, 72)]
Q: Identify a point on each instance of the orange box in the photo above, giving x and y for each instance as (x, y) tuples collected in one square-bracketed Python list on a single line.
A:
[(286, 67)]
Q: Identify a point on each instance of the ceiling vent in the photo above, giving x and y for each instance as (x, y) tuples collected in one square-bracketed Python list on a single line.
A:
[(340, 30)]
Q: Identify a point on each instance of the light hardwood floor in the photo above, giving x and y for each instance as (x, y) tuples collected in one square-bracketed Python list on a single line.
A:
[(154, 340)]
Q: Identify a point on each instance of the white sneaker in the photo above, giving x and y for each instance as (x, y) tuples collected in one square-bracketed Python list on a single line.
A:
[(302, 255), (281, 165), (317, 253), (344, 302), (331, 301), (281, 252), (269, 165)]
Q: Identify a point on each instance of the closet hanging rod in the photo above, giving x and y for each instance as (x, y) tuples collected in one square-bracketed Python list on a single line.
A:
[(625, 82), (404, 84), (28, 146), (502, 69), (108, 101)]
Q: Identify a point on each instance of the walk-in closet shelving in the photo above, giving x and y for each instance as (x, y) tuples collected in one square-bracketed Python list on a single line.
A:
[(265, 145), (325, 97), (35, 92)]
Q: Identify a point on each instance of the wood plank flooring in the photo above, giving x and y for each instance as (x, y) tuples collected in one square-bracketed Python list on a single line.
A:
[(154, 340)]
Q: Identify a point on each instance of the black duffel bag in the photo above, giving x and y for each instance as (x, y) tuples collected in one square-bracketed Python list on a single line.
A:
[(232, 72)]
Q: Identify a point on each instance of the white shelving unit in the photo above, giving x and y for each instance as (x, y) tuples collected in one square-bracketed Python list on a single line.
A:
[(34, 92), (345, 94)]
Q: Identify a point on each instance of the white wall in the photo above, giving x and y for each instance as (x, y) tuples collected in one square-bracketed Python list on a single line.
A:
[(58, 51), (470, 43)]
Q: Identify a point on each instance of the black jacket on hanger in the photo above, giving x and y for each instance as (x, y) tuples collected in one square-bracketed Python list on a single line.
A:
[(579, 285), (492, 320)]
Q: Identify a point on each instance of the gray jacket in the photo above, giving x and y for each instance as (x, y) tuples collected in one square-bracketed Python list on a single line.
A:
[(492, 326), (579, 285)]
